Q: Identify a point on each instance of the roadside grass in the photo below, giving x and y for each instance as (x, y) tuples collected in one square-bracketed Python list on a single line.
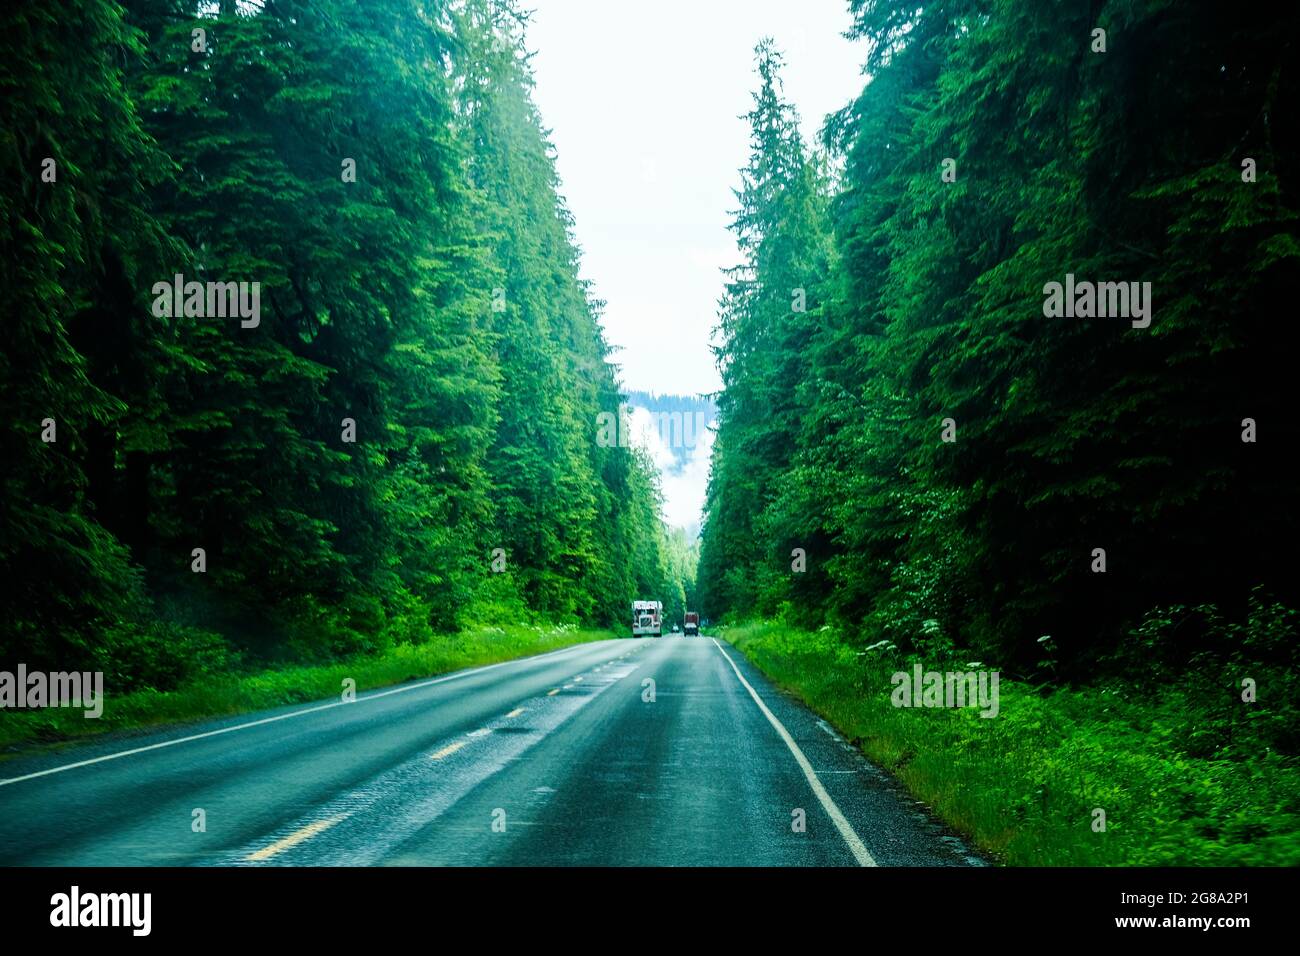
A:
[(1024, 785), (238, 693)]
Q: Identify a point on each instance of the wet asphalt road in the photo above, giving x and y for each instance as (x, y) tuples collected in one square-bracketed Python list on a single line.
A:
[(568, 758)]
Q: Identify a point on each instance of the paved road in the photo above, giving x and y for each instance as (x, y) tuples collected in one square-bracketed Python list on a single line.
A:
[(568, 758)]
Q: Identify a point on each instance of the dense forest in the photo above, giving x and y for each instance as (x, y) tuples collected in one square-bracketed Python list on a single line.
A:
[(392, 434), (917, 445), (302, 392)]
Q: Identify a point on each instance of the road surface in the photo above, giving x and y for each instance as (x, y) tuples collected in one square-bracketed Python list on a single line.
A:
[(649, 752)]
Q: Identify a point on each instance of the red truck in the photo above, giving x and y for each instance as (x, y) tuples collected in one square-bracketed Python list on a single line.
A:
[(692, 623)]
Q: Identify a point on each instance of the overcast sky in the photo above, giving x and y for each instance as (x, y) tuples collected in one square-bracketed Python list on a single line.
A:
[(644, 101)]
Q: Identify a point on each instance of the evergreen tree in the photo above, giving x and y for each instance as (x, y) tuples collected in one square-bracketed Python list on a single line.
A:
[(770, 308), (961, 455), (334, 471)]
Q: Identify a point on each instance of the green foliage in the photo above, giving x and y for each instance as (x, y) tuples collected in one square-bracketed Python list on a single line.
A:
[(1071, 434), (1120, 690), (69, 350), (769, 313), (475, 428), (1023, 786)]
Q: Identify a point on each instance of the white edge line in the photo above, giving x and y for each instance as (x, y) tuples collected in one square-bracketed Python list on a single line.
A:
[(270, 720), (856, 846)]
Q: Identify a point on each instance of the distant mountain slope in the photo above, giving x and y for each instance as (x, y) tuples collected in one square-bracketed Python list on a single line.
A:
[(673, 403)]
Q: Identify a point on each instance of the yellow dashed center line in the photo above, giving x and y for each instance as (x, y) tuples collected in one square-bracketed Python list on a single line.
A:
[(448, 750), (552, 693), (516, 712), (293, 839)]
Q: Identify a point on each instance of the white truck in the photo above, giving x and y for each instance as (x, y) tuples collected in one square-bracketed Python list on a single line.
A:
[(647, 618)]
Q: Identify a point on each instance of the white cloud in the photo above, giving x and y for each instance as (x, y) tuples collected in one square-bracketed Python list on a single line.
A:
[(683, 483), (684, 490)]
